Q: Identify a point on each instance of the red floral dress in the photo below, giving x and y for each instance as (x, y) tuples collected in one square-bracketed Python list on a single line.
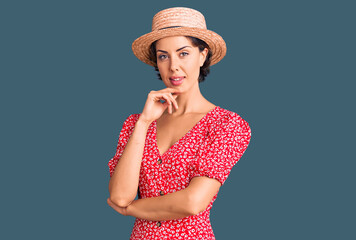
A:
[(211, 148)]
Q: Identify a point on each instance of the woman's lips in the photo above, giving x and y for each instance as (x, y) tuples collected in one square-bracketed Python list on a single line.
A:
[(176, 80)]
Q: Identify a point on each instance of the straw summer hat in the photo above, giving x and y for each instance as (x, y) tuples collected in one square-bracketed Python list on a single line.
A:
[(179, 21)]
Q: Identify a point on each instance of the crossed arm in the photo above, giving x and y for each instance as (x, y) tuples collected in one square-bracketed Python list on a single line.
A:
[(189, 201)]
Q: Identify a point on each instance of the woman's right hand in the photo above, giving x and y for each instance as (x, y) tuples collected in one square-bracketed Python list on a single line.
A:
[(153, 108)]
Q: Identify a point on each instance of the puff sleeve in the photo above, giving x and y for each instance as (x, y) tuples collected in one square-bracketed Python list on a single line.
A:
[(125, 133), (222, 149)]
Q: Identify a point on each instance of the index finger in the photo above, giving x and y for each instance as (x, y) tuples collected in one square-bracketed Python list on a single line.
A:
[(173, 90)]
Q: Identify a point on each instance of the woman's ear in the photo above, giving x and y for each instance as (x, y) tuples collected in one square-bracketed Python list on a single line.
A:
[(203, 55)]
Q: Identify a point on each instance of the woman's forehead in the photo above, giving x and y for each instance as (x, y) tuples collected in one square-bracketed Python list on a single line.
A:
[(174, 40)]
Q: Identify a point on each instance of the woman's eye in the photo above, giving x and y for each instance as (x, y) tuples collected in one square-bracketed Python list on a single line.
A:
[(162, 57), (184, 53)]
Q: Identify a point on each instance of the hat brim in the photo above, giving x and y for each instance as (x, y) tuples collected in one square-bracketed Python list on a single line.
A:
[(141, 46)]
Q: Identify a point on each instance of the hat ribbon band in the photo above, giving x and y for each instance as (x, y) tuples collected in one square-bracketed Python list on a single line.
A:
[(169, 27)]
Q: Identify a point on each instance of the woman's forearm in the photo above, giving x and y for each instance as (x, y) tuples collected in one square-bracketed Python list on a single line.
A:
[(123, 184), (174, 205)]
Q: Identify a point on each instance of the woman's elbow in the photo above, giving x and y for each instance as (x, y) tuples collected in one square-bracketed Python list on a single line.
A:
[(121, 202), (121, 199), (196, 205)]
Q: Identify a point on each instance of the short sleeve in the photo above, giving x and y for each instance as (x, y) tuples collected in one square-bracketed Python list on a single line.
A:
[(222, 149), (125, 133)]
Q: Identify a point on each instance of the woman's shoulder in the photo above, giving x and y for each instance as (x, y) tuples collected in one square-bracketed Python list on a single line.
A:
[(225, 119), (224, 115), (130, 120)]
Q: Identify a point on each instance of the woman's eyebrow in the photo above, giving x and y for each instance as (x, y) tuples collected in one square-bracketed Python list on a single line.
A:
[(176, 50)]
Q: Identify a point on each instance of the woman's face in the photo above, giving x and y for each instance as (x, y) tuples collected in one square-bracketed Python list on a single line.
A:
[(178, 59)]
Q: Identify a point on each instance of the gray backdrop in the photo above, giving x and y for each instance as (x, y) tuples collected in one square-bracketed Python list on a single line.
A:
[(69, 79)]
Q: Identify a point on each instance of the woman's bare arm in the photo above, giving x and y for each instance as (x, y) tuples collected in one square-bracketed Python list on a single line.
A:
[(124, 181), (123, 184), (186, 202)]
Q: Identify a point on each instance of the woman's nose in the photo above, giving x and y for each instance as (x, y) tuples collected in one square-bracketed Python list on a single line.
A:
[(174, 64)]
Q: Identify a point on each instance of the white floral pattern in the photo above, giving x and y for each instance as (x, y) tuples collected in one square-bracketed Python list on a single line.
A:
[(211, 148)]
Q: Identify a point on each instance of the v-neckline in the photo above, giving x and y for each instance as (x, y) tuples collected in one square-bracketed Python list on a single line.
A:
[(181, 139)]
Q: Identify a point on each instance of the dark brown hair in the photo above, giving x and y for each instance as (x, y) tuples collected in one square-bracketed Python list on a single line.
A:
[(204, 70)]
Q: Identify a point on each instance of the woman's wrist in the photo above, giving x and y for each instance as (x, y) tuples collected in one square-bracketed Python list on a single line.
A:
[(130, 209), (143, 122)]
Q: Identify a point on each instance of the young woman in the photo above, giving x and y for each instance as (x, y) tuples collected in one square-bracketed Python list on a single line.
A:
[(176, 154)]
